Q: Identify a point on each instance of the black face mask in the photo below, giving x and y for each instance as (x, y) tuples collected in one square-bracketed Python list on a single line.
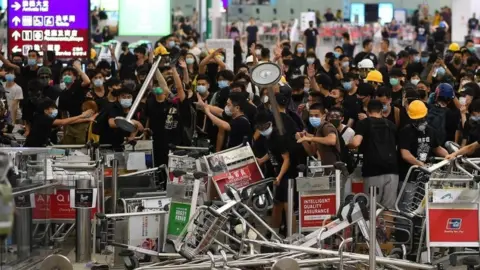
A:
[(457, 60), (390, 61), (422, 94), (44, 82), (331, 61), (297, 97)]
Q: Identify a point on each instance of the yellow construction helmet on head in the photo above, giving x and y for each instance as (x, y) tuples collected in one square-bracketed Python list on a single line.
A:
[(454, 47), (160, 50), (417, 110), (93, 53), (374, 76)]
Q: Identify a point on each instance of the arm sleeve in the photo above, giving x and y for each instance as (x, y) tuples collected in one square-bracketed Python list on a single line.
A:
[(18, 93), (361, 128), (403, 139)]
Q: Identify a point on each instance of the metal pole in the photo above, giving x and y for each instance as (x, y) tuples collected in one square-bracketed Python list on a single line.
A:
[(290, 208), (114, 185), (373, 228), (83, 249), (125, 123), (23, 232)]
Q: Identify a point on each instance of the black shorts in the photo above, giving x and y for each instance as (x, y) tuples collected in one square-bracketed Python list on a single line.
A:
[(281, 191)]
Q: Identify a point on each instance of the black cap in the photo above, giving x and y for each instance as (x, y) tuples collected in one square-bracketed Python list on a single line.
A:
[(402, 54), (324, 80), (412, 51), (282, 99), (365, 89)]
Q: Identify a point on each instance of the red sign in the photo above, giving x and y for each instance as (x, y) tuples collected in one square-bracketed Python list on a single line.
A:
[(55, 206), (239, 177), (453, 225), (315, 209)]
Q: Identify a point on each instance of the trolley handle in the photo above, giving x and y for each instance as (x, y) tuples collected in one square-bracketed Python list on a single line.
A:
[(161, 167), (435, 166), (471, 163)]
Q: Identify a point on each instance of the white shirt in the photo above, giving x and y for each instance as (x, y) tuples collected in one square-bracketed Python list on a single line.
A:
[(348, 135), (14, 93)]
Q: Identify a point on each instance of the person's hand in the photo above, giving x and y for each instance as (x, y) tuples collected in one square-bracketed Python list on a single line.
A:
[(182, 64), (252, 49), (298, 135), (336, 63), (138, 125), (463, 109), (87, 113), (89, 95), (277, 181), (112, 52), (362, 116), (311, 71), (93, 117), (200, 103), (77, 65), (3, 73), (147, 132), (451, 156), (304, 139), (301, 107), (278, 51)]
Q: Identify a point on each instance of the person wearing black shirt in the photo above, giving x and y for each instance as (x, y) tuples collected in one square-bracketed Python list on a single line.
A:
[(439, 38), (127, 63), (45, 118), (281, 154), (329, 17), (348, 45), (397, 78), (167, 117), (380, 166), (121, 109), (71, 99), (421, 34), (366, 53), (455, 66), (418, 142), (310, 37), (238, 125), (471, 127), (252, 33), (207, 132), (472, 24)]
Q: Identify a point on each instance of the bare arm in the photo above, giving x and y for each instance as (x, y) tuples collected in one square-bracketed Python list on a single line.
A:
[(217, 121), (356, 141), (178, 85), (409, 158), (220, 140), (161, 80)]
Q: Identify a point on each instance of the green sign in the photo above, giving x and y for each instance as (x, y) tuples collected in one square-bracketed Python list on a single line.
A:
[(178, 217)]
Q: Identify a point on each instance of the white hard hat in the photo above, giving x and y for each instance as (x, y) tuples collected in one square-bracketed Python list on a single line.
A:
[(365, 63), (249, 59)]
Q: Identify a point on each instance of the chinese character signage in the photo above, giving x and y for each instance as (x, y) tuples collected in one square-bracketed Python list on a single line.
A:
[(63, 26)]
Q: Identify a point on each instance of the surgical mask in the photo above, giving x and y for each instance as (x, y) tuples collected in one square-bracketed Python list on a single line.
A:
[(32, 61), (126, 103), (471, 49), (202, 89), (394, 81), (67, 79), (310, 60), (421, 126), (475, 118), (267, 132), (314, 121), (335, 122), (424, 60), (62, 86), (337, 54), (171, 44), (54, 113), (440, 71), (306, 89), (347, 85), (9, 77), (385, 107), (228, 111), (462, 100), (222, 84), (157, 91), (414, 81), (189, 61), (258, 52), (416, 59), (345, 64), (98, 82), (190, 44), (300, 50), (264, 99)]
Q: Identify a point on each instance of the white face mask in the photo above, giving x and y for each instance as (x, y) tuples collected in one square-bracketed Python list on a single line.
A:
[(62, 86), (462, 100), (264, 99)]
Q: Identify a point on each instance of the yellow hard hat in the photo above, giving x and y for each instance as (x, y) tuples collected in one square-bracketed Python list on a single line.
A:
[(93, 53), (417, 110), (375, 76), (160, 50), (454, 47)]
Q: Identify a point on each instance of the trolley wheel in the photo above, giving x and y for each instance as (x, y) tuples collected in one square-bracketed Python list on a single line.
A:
[(286, 264), (56, 261), (361, 198), (259, 203), (129, 259), (396, 253), (349, 198)]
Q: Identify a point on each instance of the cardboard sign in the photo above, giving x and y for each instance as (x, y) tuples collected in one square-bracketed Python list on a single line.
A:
[(55, 206), (314, 209), (453, 225)]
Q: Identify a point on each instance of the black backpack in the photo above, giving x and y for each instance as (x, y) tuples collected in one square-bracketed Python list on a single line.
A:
[(345, 155), (381, 142), (436, 118)]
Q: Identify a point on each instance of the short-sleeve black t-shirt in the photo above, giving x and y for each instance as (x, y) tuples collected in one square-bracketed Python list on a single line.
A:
[(116, 136), (420, 144), (311, 36), (40, 130), (372, 166), (71, 99), (240, 128), (127, 70), (252, 31), (277, 145)]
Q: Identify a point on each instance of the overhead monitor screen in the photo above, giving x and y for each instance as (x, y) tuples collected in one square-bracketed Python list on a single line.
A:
[(144, 18), (385, 12), (357, 13)]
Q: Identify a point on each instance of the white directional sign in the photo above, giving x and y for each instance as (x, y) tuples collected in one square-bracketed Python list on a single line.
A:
[(16, 49), (16, 35), (16, 6), (16, 20)]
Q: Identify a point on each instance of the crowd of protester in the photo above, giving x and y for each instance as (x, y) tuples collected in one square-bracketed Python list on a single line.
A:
[(397, 109)]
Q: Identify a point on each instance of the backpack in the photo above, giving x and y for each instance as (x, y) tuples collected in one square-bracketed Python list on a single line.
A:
[(436, 118), (345, 155), (382, 144)]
